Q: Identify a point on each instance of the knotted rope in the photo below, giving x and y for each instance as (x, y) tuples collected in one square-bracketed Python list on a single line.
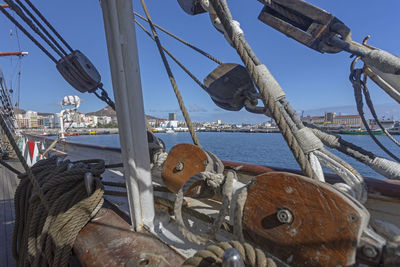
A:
[(45, 237), (213, 182), (213, 255)]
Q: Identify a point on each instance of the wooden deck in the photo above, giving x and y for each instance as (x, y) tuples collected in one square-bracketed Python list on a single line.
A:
[(8, 185)]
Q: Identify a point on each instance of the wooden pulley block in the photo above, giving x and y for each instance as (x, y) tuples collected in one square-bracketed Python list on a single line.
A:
[(192, 7), (184, 161), (302, 221), (229, 85)]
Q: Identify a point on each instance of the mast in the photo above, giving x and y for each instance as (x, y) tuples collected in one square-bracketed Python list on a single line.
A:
[(124, 63)]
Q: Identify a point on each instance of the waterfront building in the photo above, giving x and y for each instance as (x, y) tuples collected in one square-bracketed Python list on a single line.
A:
[(32, 116), (172, 116), (348, 120)]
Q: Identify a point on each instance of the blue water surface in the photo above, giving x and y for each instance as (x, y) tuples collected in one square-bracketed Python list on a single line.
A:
[(258, 148)]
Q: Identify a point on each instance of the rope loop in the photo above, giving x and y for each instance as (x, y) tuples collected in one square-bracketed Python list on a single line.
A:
[(210, 184)]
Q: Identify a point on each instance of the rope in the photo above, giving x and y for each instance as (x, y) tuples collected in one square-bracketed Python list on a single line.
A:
[(268, 100), (355, 78), (214, 183), (16, 23), (188, 72), (46, 237), (171, 78), (387, 168), (372, 109), (213, 255), (48, 24), (354, 180), (182, 41), (41, 27), (8, 166), (52, 145)]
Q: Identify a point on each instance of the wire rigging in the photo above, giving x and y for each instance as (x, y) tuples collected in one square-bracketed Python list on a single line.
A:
[(74, 64), (181, 40)]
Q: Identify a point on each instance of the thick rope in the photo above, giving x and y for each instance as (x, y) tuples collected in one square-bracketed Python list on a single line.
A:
[(213, 255), (353, 179), (213, 183), (46, 238), (268, 100), (171, 78), (387, 168)]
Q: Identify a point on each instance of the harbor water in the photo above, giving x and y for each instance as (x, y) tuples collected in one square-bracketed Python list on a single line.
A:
[(257, 148)]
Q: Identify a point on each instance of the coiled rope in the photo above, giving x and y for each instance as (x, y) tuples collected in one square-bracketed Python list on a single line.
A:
[(45, 237), (213, 255)]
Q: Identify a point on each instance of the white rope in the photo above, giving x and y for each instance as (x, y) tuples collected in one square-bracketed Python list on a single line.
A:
[(214, 182), (316, 166), (354, 181)]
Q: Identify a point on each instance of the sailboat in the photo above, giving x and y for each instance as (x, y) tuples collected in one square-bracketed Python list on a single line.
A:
[(141, 206)]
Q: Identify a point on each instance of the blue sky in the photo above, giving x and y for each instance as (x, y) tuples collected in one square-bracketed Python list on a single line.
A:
[(311, 80)]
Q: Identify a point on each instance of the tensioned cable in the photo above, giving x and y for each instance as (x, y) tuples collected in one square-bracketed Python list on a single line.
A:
[(195, 79), (355, 79), (29, 22), (373, 112), (103, 95), (182, 41), (171, 78), (48, 24), (26, 10), (16, 23)]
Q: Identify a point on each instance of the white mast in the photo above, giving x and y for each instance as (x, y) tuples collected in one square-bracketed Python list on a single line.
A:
[(124, 63)]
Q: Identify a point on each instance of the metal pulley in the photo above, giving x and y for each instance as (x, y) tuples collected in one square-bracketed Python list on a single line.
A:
[(79, 72), (305, 23), (192, 7), (229, 86), (186, 160)]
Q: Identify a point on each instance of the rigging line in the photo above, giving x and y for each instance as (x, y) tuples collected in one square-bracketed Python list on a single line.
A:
[(16, 23), (182, 41), (188, 72), (48, 24), (41, 27), (22, 15), (171, 78), (373, 112), (355, 78), (239, 44)]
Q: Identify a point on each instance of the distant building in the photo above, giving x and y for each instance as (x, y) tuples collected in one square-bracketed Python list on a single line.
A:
[(172, 116), (348, 120), (331, 118), (219, 122)]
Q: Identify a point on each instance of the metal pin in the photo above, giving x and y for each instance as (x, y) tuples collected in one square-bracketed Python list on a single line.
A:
[(232, 258), (89, 183)]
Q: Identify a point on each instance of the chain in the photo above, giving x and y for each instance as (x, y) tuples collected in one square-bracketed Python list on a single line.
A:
[(103, 96)]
